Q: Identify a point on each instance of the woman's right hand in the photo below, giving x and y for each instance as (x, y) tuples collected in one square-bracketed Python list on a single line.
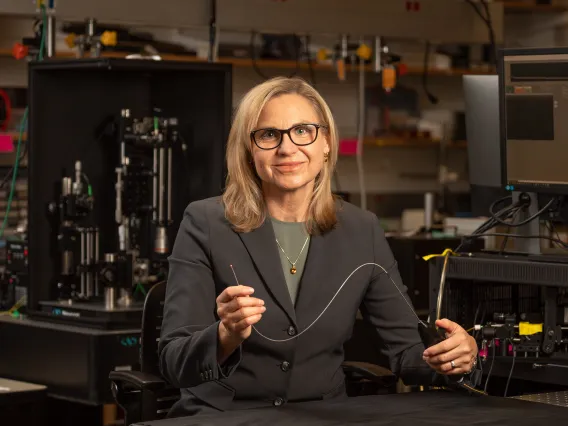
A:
[(238, 312)]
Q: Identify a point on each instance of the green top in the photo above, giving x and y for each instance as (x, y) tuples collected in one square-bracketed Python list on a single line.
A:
[(292, 236)]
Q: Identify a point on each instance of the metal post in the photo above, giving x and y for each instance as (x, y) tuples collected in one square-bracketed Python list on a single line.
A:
[(378, 62), (361, 133), (50, 36)]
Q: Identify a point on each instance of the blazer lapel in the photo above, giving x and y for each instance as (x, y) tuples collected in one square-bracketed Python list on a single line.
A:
[(261, 246)]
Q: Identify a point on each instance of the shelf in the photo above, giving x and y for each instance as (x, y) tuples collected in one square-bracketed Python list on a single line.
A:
[(15, 136), (393, 141), (277, 64), (526, 7)]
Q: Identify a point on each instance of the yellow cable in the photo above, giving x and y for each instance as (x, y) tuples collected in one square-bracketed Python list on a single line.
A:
[(16, 306)]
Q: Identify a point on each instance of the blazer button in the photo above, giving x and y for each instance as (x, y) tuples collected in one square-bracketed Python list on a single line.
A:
[(291, 331), (278, 402), (285, 366)]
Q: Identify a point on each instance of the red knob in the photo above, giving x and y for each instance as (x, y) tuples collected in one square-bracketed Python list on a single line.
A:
[(19, 51)]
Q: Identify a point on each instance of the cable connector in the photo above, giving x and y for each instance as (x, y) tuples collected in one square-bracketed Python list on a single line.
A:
[(524, 200)]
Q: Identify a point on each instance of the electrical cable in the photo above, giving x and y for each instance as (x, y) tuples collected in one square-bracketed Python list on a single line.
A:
[(433, 99), (524, 222), (474, 334), (441, 286), (504, 243), (331, 301), (511, 370), (21, 133), (252, 53), (488, 23), (309, 58), (491, 367), (14, 174), (491, 30), (8, 175), (504, 213), (461, 382), (553, 230)]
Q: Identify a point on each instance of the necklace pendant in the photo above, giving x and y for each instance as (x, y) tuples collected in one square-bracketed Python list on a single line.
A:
[(293, 270)]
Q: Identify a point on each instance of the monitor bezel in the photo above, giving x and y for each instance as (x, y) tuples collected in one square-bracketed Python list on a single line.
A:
[(553, 189)]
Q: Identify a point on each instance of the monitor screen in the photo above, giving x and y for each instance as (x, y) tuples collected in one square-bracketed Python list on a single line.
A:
[(534, 96)]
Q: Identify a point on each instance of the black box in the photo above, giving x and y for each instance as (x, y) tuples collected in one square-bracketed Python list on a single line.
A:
[(414, 270), (72, 105), (73, 362)]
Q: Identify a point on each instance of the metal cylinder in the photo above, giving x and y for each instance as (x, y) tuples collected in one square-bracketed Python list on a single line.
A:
[(122, 153), (89, 276), (110, 298), (96, 261), (155, 186), (90, 27), (428, 210), (161, 187), (50, 42), (118, 200), (67, 263), (110, 257), (125, 298), (169, 213), (378, 64), (66, 186), (78, 171), (161, 240), (344, 46), (83, 261), (78, 184)]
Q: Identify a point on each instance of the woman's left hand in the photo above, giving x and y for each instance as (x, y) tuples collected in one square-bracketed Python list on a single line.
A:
[(455, 355)]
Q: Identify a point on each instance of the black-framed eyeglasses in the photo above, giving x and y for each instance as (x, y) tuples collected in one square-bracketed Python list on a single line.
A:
[(300, 134)]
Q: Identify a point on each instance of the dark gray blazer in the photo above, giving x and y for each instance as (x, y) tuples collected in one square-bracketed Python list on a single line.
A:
[(263, 373)]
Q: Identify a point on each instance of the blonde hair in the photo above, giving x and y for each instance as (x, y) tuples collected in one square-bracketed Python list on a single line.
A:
[(243, 199)]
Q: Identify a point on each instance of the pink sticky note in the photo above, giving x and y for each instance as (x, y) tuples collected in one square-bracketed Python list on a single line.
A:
[(6, 144), (348, 147)]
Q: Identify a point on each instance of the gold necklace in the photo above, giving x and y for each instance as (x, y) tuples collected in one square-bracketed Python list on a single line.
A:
[(293, 269)]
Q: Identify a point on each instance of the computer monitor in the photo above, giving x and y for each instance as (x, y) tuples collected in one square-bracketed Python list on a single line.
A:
[(534, 106), (481, 95)]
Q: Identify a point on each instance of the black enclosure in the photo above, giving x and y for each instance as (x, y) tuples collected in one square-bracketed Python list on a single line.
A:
[(73, 104)]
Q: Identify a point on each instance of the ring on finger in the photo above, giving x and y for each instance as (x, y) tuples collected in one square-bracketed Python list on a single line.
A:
[(453, 364)]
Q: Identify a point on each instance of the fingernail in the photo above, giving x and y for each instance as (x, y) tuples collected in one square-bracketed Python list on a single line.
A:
[(263, 309), (250, 289)]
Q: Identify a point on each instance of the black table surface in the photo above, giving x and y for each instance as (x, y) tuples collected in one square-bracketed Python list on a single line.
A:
[(411, 409)]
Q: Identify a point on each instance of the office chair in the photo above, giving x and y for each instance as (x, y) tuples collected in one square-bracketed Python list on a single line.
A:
[(144, 395)]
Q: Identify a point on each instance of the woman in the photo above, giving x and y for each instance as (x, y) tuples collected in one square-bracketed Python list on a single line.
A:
[(252, 270)]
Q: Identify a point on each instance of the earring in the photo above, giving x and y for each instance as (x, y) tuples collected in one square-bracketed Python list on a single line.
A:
[(325, 157)]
